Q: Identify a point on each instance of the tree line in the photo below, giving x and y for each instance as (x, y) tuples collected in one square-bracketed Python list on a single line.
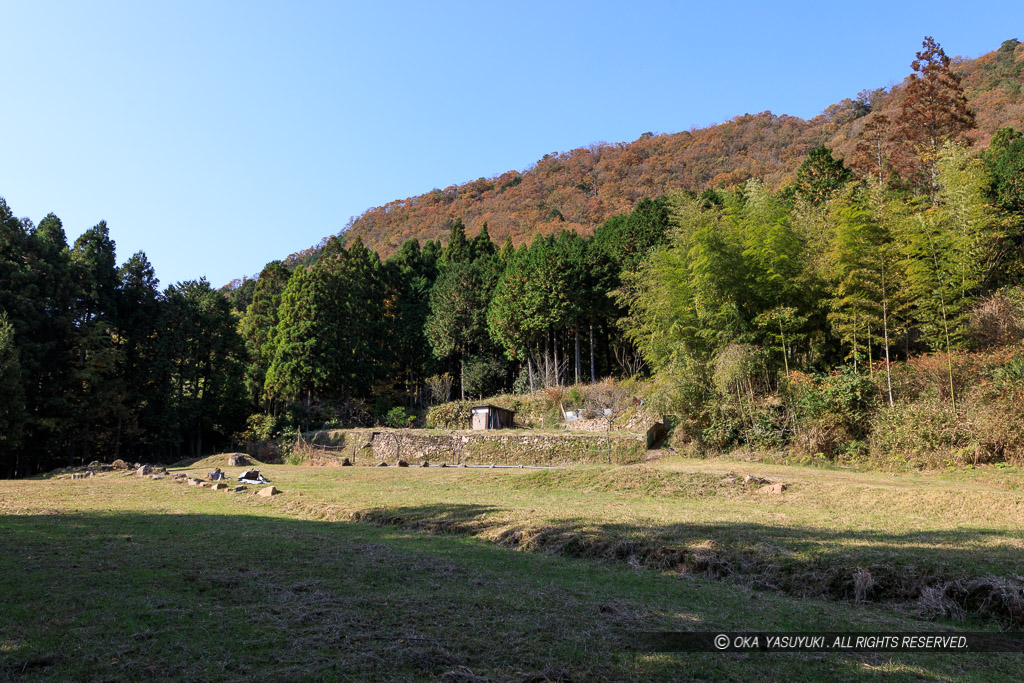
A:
[(96, 361), (99, 362)]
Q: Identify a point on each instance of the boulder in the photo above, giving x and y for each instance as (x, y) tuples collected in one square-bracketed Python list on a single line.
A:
[(268, 492), (192, 481), (238, 460), (346, 463), (159, 475), (120, 464), (219, 486), (237, 489), (144, 471), (773, 489), (402, 463)]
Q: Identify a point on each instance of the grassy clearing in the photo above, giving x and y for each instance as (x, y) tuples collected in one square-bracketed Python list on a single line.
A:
[(843, 535), (119, 578)]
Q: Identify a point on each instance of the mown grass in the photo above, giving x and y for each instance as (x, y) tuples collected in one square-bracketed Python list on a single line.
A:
[(909, 532), (121, 578)]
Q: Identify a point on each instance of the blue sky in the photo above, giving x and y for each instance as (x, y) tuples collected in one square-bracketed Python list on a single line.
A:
[(217, 136)]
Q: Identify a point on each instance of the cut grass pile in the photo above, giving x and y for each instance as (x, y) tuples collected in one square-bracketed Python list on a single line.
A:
[(120, 578)]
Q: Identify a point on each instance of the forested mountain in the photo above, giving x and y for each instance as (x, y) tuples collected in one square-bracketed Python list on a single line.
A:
[(580, 189), (842, 307)]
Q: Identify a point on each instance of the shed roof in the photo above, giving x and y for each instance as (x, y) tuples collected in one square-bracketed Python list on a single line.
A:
[(491, 405)]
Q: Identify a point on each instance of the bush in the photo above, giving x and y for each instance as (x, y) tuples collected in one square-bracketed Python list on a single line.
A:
[(259, 428), (999, 318), (575, 398), (521, 385), (921, 432), (453, 415), (398, 418), (439, 387), (832, 411)]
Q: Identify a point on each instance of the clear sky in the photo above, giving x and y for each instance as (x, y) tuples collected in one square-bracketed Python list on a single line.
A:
[(217, 136)]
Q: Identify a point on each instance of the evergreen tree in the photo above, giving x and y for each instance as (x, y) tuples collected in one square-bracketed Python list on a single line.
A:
[(203, 355), (258, 324), (482, 246), (12, 402), (298, 340), (820, 176), (866, 278), (950, 251), (1005, 161), (458, 249), (455, 327), (99, 399), (139, 310), (411, 278)]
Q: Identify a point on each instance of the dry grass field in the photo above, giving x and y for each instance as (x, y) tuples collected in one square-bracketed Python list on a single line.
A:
[(413, 573)]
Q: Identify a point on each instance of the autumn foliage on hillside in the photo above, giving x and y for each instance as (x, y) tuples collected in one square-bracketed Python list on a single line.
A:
[(580, 189)]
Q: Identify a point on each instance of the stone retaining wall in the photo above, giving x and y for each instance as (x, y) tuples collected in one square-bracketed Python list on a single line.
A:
[(499, 447)]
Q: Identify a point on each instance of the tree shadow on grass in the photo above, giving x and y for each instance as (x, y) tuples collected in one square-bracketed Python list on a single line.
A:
[(972, 577), (226, 597)]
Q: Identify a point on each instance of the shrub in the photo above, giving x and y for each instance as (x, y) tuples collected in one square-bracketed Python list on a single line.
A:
[(831, 411), (259, 428), (575, 397), (398, 418), (741, 368), (521, 385), (922, 432), (452, 415), (999, 318), (439, 387)]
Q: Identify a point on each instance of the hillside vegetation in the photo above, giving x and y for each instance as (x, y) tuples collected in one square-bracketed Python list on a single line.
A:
[(582, 188)]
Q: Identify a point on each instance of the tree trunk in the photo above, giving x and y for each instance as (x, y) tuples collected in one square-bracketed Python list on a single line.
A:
[(871, 361), (885, 333), (607, 338), (554, 351), (593, 375), (577, 335), (529, 370), (117, 440), (462, 378), (855, 350), (547, 359)]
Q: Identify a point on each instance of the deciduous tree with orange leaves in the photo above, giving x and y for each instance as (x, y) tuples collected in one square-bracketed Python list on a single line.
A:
[(933, 111)]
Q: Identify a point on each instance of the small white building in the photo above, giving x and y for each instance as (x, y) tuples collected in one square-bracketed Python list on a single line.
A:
[(488, 416)]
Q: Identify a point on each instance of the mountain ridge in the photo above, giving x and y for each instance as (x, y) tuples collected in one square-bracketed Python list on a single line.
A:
[(580, 189)]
